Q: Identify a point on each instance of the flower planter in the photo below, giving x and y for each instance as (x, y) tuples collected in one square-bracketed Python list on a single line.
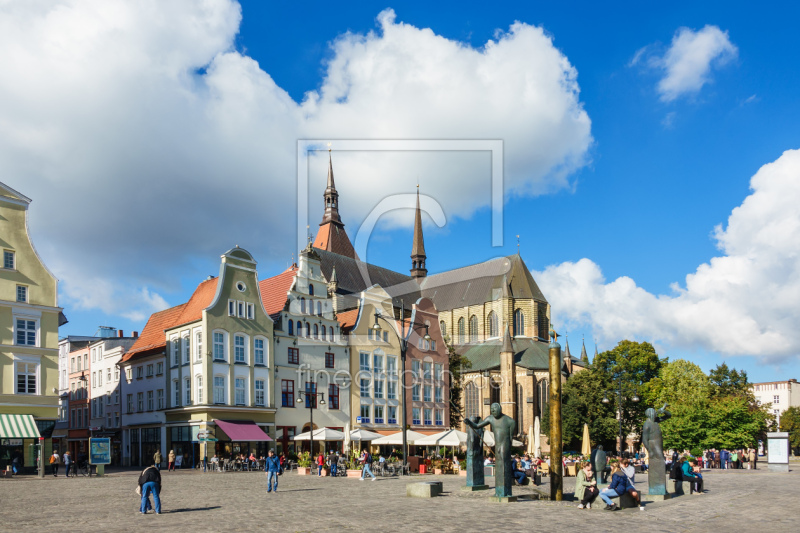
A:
[(325, 472), (353, 473), (437, 471), (303, 471)]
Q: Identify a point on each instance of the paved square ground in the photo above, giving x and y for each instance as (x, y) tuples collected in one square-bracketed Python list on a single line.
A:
[(237, 501)]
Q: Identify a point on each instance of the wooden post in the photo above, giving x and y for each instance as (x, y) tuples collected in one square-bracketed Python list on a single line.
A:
[(556, 446)]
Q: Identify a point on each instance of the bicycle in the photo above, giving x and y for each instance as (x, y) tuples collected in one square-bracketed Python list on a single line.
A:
[(84, 469)]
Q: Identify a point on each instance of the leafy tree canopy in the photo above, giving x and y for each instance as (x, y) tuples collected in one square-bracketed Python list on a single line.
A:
[(790, 421)]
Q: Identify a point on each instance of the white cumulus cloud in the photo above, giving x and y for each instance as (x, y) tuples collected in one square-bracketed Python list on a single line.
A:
[(743, 302), (147, 140), (688, 62)]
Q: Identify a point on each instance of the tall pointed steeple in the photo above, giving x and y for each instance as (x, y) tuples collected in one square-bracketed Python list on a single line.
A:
[(418, 256), (584, 356), (331, 236), (566, 346)]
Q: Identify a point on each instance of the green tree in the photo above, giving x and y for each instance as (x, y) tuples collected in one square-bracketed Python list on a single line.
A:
[(457, 364), (790, 421), (727, 382), (582, 397), (734, 422), (633, 365)]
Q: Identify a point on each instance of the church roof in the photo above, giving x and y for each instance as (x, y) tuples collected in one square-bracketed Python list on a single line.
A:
[(528, 353), (332, 237), (418, 247), (274, 291)]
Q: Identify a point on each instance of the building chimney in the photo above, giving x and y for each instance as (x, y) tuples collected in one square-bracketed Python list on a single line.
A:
[(135, 334), (120, 333)]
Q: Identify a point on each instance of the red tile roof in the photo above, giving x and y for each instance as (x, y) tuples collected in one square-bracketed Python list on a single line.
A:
[(274, 290), (201, 299), (333, 238), (152, 336), (347, 319)]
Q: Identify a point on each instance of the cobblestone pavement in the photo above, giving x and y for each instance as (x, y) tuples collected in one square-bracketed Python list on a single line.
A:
[(237, 501)]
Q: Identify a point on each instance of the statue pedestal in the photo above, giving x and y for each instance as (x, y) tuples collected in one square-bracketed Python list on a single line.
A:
[(475, 488), (656, 497), (502, 499)]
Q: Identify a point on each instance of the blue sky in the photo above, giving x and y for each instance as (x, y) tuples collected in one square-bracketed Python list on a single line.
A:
[(658, 171)]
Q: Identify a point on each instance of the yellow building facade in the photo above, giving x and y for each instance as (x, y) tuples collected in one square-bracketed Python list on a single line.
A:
[(29, 321)]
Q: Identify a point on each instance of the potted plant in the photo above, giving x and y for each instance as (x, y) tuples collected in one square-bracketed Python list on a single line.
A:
[(304, 464), (437, 466), (462, 471)]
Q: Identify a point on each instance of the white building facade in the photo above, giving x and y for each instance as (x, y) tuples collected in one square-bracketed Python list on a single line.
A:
[(781, 394)]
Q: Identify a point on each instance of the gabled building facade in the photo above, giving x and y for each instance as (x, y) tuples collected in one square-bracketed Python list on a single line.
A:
[(29, 322)]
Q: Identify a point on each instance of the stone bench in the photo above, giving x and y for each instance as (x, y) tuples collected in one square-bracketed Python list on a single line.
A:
[(679, 488), (626, 501), (424, 489)]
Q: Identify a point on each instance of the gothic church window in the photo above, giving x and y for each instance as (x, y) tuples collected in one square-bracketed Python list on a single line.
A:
[(493, 324), (519, 323), (473, 329)]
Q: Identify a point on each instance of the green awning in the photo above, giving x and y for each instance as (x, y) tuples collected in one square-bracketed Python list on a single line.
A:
[(18, 427)]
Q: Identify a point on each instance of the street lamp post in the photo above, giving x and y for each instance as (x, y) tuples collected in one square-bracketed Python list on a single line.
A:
[(620, 389), (403, 349), (311, 402)]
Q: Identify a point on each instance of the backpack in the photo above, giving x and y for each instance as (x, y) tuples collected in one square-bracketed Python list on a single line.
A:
[(368, 458), (675, 472), (52, 459)]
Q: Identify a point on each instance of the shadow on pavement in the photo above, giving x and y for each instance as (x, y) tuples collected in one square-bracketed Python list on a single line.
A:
[(187, 510)]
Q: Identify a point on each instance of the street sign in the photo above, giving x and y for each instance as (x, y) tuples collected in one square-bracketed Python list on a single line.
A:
[(95, 428)]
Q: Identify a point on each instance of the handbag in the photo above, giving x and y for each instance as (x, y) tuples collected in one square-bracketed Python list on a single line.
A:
[(138, 490)]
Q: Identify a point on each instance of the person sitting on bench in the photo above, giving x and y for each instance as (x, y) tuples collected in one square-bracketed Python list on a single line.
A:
[(691, 473)]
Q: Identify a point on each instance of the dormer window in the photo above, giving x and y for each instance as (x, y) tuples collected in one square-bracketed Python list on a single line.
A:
[(241, 286)]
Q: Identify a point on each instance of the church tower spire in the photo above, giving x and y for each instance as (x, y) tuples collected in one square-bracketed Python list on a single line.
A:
[(331, 236), (584, 355), (418, 256)]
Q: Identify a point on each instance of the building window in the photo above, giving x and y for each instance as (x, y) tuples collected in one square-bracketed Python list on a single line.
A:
[(241, 309), (379, 414), (8, 259), (363, 360), (294, 356), (108, 375), (130, 403), (461, 330), (365, 414), (519, 323), (415, 393), (186, 350), (415, 368), (379, 389), (176, 352), (149, 400), (392, 415), (543, 393), (149, 370), (415, 418), (240, 391), (26, 377), (219, 346), (287, 393), (72, 365), (311, 394), (377, 364), (426, 373), (26, 332), (198, 345), (259, 387), (365, 388), (443, 328), (427, 393), (160, 398), (471, 400), (333, 396), (199, 381), (139, 402), (776, 399), (437, 394), (139, 372), (291, 327), (307, 330), (473, 329), (329, 358), (330, 334), (219, 389), (319, 308), (238, 349), (316, 331), (324, 335), (391, 390), (439, 416), (251, 311), (302, 306), (187, 391), (231, 308), (22, 293), (438, 372), (428, 416), (177, 389), (391, 365), (259, 351), (494, 330), (159, 369)]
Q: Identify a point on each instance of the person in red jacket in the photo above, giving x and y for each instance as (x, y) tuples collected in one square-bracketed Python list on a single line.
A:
[(320, 464)]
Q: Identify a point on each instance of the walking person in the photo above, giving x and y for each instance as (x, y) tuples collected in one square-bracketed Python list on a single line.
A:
[(320, 464), (54, 460), (332, 463), (752, 458), (366, 460), (150, 483), (272, 468), (67, 462), (171, 463), (157, 459)]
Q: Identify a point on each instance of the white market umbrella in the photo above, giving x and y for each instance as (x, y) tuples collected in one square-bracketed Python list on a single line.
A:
[(450, 437), (322, 434), (397, 438), (531, 442), (362, 435), (586, 447), (488, 440), (537, 439), (346, 446)]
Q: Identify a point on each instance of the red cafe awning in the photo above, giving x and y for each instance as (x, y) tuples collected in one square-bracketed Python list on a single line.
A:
[(242, 430)]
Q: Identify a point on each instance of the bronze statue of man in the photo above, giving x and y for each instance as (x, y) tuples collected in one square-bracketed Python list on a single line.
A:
[(654, 443), (599, 460), (503, 427), (475, 476)]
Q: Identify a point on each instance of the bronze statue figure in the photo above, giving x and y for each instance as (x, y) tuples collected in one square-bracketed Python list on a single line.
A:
[(475, 475), (654, 443), (599, 460), (503, 427)]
